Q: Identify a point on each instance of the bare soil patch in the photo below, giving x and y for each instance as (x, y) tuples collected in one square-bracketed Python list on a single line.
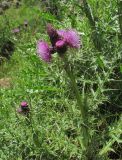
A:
[(5, 82)]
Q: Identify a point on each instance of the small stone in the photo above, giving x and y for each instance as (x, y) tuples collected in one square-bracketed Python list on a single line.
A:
[(5, 5)]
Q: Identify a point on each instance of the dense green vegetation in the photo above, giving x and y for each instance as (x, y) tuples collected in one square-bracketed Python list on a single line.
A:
[(53, 130)]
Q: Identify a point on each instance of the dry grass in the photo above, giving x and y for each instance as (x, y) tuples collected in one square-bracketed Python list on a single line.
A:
[(5, 82)]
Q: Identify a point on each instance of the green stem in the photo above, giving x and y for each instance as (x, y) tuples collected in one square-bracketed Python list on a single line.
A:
[(82, 107)]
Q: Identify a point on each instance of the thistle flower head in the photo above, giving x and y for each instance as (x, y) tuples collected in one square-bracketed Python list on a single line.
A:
[(61, 46), (44, 51), (24, 104), (16, 30), (54, 37), (60, 41), (71, 37), (24, 108)]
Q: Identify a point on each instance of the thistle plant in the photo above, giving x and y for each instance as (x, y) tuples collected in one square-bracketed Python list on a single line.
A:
[(61, 40), (15, 30), (24, 109)]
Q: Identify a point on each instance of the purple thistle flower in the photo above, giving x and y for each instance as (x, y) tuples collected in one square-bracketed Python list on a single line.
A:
[(60, 41), (61, 46), (23, 109), (24, 104), (44, 51), (71, 37), (16, 30), (54, 36)]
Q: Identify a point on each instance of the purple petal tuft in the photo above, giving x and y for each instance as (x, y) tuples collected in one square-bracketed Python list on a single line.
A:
[(44, 51), (60, 43), (16, 30), (61, 46), (71, 37), (24, 104), (19, 110), (61, 33)]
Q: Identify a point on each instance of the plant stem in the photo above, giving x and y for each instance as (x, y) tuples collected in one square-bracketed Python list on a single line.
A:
[(82, 107)]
